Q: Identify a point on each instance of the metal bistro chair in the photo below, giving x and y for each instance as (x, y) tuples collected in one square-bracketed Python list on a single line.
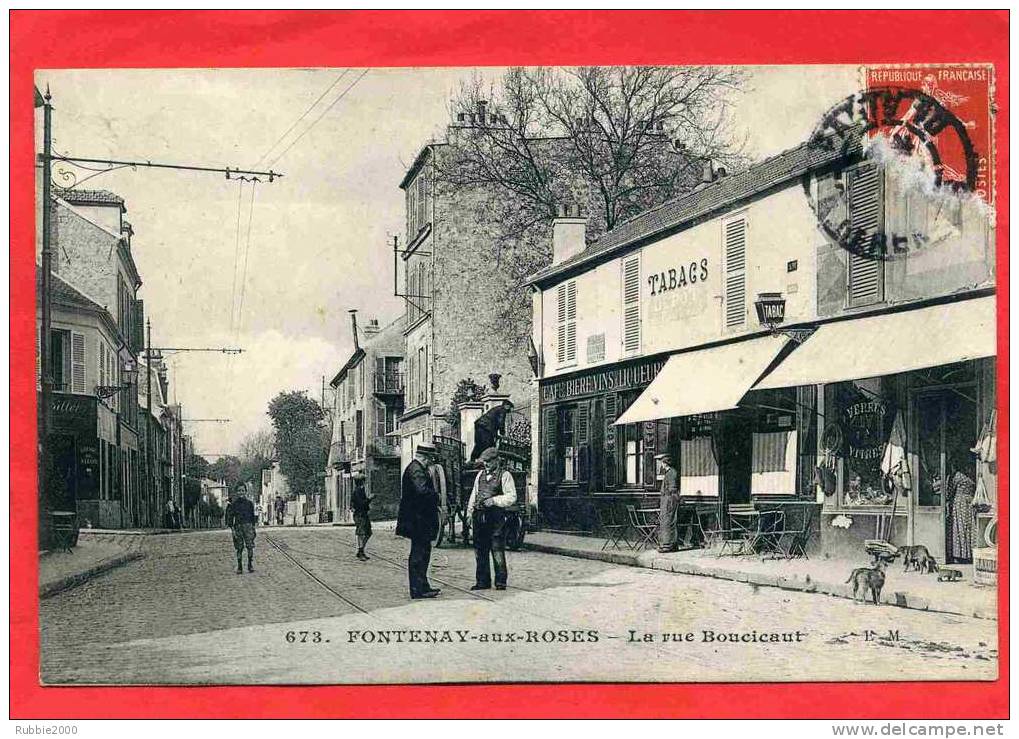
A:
[(743, 519), (765, 536), (612, 527), (713, 534), (645, 524), (790, 543)]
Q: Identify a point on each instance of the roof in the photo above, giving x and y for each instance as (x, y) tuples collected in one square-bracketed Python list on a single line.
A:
[(356, 357), (419, 161), (89, 197), (723, 192)]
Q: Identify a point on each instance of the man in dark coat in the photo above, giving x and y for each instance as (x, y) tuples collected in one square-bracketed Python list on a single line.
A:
[(418, 520), (360, 502), (240, 517), (489, 428)]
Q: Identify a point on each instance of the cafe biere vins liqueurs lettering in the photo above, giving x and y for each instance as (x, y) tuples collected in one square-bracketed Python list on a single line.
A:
[(615, 378)]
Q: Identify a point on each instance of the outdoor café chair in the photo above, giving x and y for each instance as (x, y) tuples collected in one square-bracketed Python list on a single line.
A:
[(764, 536), (612, 527), (791, 543), (645, 524), (743, 520)]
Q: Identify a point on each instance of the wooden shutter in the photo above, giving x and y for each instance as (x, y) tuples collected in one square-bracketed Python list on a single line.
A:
[(380, 421), (422, 185), (866, 221), (582, 434), (101, 362), (631, 304), (649, 431), (609, 457), (735, 246), (412, 212), (571, 321), (549, 446), (77, 362), (561, 323)]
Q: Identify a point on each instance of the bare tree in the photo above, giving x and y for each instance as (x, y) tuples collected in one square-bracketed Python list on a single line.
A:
[(259, 444), (613, 141), (618, 139)]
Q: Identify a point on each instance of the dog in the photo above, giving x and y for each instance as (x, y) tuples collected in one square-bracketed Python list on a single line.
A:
[(866, 579), (929, 565), (914, 556)]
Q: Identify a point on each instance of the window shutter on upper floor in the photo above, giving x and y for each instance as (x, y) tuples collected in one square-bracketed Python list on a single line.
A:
[(101, 362), (631, 304), (566, 325), (866, 221), (77, 362), (412, 212), (422, 185), (735, 248)]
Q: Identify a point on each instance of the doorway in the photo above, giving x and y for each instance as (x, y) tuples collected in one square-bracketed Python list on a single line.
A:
[(735, 450), (946, 430)]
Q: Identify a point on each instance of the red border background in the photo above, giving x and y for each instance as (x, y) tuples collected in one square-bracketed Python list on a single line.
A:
[(61, 39)]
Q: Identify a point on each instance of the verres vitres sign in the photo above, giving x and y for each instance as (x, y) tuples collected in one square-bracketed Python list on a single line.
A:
[(612, 379)]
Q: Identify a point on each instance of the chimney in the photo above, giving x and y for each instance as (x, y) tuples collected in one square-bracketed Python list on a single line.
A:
[(353, 327), (461, 117), (569, 231), (372, 327), (126, 232), (481, 111), (708, 172)]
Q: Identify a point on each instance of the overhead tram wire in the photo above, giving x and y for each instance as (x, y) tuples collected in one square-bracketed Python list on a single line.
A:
[(302, 116), (320, 117), (244, 269)]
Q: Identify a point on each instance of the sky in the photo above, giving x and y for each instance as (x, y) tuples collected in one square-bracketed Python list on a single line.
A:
[(279, 283)]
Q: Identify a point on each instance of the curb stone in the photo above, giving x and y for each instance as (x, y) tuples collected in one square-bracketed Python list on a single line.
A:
[(78, 578), (898, 599)]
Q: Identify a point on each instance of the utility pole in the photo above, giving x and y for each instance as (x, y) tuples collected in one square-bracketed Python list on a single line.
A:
[(45, 366), (148, 415)]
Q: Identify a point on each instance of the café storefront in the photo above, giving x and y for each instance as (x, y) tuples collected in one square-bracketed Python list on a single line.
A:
[(601, 431)]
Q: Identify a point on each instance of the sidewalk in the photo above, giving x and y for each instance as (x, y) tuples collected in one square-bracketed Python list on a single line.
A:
[(816, 575), (94, 555)]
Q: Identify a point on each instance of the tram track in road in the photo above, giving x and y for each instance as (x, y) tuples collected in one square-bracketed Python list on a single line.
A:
[(283, 550)]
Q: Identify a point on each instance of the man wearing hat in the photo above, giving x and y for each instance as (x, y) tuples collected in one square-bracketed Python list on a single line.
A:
[(669, 506), (240, 517), (418, 520), (493, 492), (490, 427)]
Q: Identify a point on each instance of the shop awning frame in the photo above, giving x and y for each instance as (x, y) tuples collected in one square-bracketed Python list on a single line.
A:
[(890, 343), (705, 380)]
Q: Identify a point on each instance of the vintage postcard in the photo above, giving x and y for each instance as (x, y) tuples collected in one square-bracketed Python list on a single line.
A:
[(532, 374)]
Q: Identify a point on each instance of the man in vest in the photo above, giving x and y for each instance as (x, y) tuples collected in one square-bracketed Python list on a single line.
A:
[(240, 517), (494, 492), (418, 520)]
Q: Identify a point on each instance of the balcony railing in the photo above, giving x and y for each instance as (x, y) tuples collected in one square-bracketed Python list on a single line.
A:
[(384, 448), (389, 383)]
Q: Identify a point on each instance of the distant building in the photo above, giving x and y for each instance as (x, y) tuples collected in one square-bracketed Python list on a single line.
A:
[(368, 398), (274, 492)]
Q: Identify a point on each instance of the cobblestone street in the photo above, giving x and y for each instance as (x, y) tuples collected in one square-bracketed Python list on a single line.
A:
[(181, 615)]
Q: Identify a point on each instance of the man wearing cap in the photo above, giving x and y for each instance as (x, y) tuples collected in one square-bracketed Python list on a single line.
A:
[(493, 492), (240, 517), (418, 520), (360, 502), (490, 427), (669, 507)]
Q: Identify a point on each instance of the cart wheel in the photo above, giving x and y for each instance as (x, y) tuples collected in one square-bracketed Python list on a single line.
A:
[(514, 533)]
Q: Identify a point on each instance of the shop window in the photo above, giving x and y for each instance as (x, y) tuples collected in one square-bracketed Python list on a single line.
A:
[(774, 444), (859, 419), (633, 455), (567, 434), (697, 457)]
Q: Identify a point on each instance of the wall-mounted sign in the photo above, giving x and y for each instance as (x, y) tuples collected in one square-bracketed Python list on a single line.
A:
[(612, 379), (678, 277), (770, 308), (865, 430)]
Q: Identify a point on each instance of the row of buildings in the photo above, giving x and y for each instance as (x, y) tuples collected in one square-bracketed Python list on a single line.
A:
[(731, 328), (116, 447)]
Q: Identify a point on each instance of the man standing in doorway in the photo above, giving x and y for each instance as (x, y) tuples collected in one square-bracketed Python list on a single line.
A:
[(669, 506), (240, 517), (418, 520), (494, 492)]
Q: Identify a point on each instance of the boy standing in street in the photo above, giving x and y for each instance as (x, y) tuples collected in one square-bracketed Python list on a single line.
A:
[(240, 517)]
